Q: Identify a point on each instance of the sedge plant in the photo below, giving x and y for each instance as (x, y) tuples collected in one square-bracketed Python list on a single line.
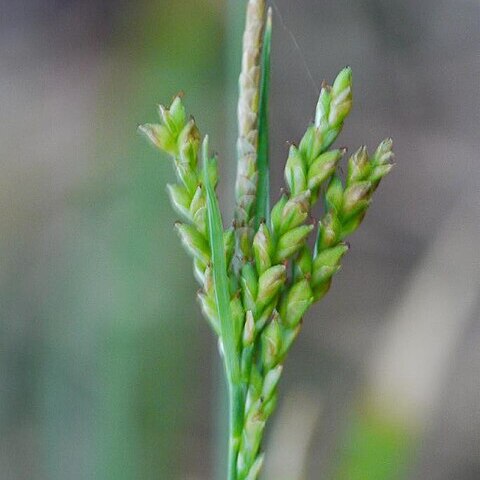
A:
[(259, 276)]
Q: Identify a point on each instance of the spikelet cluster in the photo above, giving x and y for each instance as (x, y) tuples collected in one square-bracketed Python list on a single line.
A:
[(274, 272), (248, 110)]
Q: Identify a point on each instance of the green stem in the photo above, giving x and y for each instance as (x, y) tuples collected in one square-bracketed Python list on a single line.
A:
[(236, 406)]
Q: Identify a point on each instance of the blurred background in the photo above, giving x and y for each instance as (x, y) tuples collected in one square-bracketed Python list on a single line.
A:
[(107, 370)]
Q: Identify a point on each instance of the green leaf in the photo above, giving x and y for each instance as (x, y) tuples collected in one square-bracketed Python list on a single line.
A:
[(263, 190), (220, 276)]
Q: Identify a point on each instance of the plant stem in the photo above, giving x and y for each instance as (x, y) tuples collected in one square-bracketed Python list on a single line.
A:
[(235, 15), (236, 402)]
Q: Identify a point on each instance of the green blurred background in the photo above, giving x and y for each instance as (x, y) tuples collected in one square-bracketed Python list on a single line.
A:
[(107, 370)]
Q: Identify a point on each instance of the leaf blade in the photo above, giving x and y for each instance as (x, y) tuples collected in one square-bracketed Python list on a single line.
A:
[(220, 276), (262, 209)]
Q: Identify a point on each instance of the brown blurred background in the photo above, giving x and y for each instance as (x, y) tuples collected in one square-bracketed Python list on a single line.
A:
[(107, 370)]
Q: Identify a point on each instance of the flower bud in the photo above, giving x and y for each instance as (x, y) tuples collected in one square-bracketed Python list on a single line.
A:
[(238, 317), (198, 201), (289, 336), (269, 407), (323, 275), (330, 136), (327, 263), (159, 136), (292, 241), (247, 180), (295, 174), (272, 343), (340, 108), (177, 113), (254, 388), (188, 153), (249, 283), (342, 82), (200, 220), (329, 231), (330, 256), (378, 173), (356, 198), (208, 282), (359, 166), (341, 103), (174, 117), (296, 303), (246, 357), (353, 222), (254, 425), (199, 270), (209, 310), (195, 243), (180, 199), (263, 316), (311, 144), (249, 330), (270, 382), (189, 135), (262, 249), (295, 212), (269, 284), (188, 144), (334, 195), (212, 169), (323, 109), (384, 153), (322, 168), (320, 291), (244, 243), (164, 115), (187, 176), (277, 214), (303, 264)]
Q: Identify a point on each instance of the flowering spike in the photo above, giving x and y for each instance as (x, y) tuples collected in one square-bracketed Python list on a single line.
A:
[(254, 307)]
